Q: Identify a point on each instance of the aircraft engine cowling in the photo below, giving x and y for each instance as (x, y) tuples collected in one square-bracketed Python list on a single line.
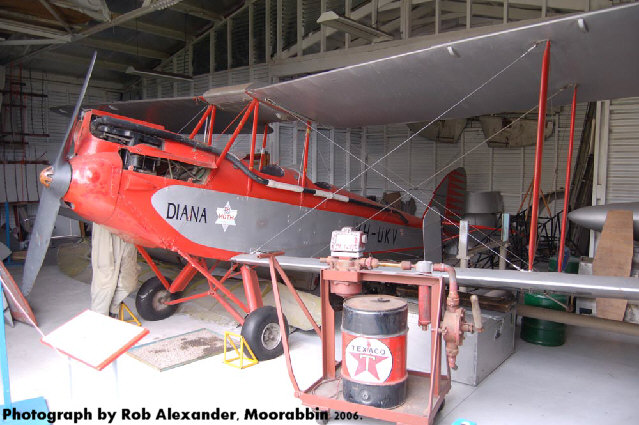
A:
[(95, 181)]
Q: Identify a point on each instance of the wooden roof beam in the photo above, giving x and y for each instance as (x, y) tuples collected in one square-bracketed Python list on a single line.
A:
[(158, 30), (195, 10), (99, 63), (124, 48), (36, 30)]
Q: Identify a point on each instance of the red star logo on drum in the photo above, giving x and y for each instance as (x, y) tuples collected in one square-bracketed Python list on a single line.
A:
[(368, 362)]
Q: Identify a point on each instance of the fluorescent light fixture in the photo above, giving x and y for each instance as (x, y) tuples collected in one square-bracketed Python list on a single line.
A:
[(341, 23), (158, 74)]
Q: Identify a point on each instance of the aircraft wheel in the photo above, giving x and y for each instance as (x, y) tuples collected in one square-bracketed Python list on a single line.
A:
[(261, 331), (151, 298)]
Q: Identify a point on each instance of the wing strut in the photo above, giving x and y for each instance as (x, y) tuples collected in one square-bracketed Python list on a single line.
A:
[(562, 240), (541, 125)]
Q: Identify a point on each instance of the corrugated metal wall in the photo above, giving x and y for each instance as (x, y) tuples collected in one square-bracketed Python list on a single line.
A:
[(622, 179)]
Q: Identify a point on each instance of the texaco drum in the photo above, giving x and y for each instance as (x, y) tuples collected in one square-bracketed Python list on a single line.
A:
[(374, 350)]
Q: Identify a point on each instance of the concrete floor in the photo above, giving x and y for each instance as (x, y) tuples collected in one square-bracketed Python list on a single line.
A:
[(592, 379)]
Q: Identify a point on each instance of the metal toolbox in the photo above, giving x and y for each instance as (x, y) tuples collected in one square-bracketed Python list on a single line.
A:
[(478, 356)]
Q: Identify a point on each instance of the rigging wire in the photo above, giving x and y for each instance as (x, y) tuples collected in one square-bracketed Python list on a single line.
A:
[(444, 168), (297, 116), (194, 116)]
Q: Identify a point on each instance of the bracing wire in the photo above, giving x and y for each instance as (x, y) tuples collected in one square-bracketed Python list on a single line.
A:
[(371, 167), (408, 140), (438, 172)]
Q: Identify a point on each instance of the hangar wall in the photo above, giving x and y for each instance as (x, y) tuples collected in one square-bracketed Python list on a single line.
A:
[(22, 162), (621, 125)]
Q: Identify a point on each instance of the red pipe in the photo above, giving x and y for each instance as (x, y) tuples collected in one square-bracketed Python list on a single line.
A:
[(256, 109), (209, 138), (453, 291), (452, 276), (236, 132), (214, 281), (253, 137), (154, 267), (423, 305), (562, 242), (263, 151), (541, 125), (306, 141), (200, 123)]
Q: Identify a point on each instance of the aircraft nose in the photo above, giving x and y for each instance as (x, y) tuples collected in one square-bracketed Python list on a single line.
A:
[(57, 178)]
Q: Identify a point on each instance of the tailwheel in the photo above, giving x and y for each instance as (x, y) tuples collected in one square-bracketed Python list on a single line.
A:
[(151, 300), (261, 330)]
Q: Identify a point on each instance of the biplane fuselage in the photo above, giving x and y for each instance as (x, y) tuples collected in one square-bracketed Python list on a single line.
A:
[(169, 195)]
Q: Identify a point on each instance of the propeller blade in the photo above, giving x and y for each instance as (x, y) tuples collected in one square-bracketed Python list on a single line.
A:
[(59, 176), (40, 237), (66, 143)]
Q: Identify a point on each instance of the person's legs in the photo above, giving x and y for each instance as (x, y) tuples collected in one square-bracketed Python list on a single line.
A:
[(128, 276), (104, 270)]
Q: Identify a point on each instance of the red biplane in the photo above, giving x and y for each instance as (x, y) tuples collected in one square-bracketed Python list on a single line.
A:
[(136, 174)]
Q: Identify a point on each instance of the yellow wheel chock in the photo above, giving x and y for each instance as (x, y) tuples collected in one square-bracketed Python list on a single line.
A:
[(244, 356), (125, 308)]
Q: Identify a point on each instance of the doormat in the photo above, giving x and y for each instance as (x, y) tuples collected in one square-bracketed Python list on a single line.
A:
[(179, 350)]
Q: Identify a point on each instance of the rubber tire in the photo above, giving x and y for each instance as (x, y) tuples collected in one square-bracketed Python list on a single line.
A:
[(255, 324), (148, 295)]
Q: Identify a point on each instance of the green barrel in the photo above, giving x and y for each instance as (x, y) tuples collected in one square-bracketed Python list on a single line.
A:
[(571, 268), (544, 332)]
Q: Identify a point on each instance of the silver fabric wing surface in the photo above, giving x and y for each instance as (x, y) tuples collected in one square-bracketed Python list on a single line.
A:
[(601, 57), (580, 285), (181, 114)]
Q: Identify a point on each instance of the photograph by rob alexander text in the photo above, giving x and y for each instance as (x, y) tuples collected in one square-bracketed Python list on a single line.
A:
[(169, 414)]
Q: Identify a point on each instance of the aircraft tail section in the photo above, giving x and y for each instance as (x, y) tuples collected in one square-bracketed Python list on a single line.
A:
[(450, 195), (446, 206)]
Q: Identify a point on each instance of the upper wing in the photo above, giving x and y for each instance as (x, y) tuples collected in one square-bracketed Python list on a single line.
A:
[(421, 85), (454, 77), (181, 114)]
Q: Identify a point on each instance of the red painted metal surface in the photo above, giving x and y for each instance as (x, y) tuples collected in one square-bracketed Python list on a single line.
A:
[(251, 288), (256, 111), (280, 317), (213, 282), (562, 240), (183, 278), (423, 296), (263, 151), (541, 125), (153, 266), (239, 127), (103, 191), (201, 122), (299, 301), (307, 138), (209, 136), (426, 390)]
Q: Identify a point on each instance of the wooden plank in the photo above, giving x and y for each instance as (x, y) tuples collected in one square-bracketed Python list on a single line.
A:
[(614, 258)]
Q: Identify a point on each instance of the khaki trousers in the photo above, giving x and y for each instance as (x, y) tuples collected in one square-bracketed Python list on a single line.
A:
[(115, 270)]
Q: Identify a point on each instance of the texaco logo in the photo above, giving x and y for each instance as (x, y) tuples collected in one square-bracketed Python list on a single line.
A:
[(368, 360)]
